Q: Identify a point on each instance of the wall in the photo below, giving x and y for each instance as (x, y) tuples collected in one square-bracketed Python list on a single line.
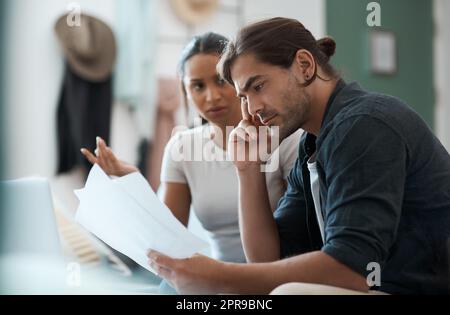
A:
[(232, 14), (3, 21), (412, 23), (34, 73), (442, 70)]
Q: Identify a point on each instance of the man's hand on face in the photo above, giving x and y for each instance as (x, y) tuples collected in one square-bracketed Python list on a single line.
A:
[(195, 275), (250, 143)]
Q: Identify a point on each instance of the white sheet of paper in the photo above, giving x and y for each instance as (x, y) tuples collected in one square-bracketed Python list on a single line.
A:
[(127, 215)]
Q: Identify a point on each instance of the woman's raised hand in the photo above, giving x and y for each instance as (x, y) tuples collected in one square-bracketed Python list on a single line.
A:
[(106, 159)]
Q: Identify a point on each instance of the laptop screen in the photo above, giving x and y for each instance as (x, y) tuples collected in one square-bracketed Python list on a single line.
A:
[(28, 223)]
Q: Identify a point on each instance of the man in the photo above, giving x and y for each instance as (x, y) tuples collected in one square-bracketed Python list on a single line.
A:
[(370, 191)]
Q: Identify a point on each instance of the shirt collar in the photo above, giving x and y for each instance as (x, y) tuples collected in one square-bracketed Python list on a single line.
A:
[(333, 107), (330, 111)]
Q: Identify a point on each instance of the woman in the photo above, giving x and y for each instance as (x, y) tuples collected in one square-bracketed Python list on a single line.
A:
[(207, 180)]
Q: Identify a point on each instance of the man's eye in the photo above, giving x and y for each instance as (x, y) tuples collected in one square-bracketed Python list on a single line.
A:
[(258, 87)]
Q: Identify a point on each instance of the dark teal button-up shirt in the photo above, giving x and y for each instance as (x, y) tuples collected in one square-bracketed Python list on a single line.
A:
[(384, 189)]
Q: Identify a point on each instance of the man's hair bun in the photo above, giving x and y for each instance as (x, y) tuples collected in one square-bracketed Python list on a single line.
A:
[(327, 45)]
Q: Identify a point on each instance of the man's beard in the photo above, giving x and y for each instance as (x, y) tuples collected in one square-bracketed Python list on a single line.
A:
[(297, 104)]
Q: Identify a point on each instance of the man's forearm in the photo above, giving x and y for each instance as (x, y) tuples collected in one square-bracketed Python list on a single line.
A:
[(315, 267), (257, 225)]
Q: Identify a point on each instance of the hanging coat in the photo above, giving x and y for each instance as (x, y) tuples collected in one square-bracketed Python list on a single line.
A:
[(84, 112)]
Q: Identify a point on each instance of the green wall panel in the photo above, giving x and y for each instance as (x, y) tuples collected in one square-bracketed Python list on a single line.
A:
[(412, 23)]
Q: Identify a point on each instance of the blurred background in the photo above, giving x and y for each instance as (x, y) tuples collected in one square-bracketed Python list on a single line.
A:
[(403, 52)]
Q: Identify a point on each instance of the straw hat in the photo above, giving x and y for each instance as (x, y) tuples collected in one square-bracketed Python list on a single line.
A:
[(194, 12), (90, 48)]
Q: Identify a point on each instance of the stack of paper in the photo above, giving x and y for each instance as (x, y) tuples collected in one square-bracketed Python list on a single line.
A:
[(128, 216)]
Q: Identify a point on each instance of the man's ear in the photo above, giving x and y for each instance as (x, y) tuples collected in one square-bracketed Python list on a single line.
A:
[(305, 64)]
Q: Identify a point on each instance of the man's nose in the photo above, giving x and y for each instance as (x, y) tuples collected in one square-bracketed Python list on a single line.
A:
[(254, 106)]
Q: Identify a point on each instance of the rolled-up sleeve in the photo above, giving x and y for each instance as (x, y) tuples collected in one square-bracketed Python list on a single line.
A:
[(365, 171)]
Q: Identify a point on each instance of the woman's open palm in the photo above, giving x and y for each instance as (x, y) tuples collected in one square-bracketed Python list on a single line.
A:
[(107, 160)]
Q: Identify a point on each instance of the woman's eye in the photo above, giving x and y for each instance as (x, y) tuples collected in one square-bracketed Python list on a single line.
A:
[(198, 87), (220, 81)]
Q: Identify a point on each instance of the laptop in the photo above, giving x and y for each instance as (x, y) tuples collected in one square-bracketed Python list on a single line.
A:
[(33, 257), (28, 224)]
